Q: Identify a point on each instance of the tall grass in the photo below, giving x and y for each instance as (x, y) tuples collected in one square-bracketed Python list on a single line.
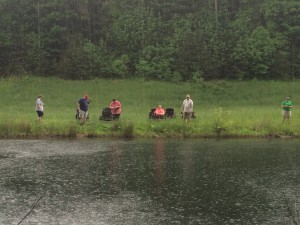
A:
[(223, 108)]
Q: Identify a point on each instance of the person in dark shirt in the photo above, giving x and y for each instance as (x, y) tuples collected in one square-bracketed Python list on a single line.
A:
[(82, 108)]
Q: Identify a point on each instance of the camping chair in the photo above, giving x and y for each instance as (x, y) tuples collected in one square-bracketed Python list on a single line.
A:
[(107, 115), (170, 113)]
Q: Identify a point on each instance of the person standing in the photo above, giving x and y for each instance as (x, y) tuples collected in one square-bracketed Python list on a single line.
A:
[(82, 107), (39, 107), (187, 108), (116, 108), (286, 106)]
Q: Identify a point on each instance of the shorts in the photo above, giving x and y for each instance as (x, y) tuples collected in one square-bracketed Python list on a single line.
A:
[(286, 114), (40, 113), (83, 114), (187, 115)]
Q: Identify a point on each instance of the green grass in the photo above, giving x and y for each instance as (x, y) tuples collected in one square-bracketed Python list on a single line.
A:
[(223, 108)]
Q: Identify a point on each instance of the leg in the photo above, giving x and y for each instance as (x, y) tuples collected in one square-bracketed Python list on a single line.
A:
[(82, 116), (40, 115), (284, 114), (185, 116), (289, 114)]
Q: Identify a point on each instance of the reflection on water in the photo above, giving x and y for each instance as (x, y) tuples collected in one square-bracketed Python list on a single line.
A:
[(160, 181)]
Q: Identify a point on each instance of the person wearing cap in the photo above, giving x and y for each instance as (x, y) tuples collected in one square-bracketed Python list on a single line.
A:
[(82, 108), (286, 106), (187, 108), (39, 107), (115, 108)]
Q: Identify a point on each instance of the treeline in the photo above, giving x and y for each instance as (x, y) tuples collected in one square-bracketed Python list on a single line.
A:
[(173, 40)]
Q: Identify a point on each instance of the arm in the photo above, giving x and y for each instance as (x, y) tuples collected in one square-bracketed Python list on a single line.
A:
[(39, 104), (119, 105), (111, 106), (182, 107)]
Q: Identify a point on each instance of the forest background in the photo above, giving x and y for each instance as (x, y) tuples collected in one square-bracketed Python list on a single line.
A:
[(170, 40)]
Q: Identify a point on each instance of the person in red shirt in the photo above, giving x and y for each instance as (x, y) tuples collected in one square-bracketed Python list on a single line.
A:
[(116, 108), (159, 112)]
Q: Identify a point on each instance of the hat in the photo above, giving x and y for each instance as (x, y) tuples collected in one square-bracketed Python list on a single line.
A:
[(40, 95), (287, 97), (188, 96)]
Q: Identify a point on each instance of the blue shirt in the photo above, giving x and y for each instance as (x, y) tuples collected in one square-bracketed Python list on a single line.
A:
[(84, 104)]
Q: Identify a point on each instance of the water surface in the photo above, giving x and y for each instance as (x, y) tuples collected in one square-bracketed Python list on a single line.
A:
[(152, 182)]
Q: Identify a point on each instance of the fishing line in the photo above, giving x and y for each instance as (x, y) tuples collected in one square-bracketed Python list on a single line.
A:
[(289, 209), (30, 210)]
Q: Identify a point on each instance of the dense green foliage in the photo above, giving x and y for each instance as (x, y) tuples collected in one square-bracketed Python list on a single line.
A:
[(223, 108), (173, 40)]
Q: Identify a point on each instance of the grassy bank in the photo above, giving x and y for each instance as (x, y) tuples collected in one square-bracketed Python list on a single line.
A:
[(223, 108)]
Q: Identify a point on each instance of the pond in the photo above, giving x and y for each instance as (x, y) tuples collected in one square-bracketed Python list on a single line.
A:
[(151, 182)]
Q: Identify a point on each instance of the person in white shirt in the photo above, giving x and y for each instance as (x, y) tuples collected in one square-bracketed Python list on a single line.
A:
[(39, 107), (187, 108)]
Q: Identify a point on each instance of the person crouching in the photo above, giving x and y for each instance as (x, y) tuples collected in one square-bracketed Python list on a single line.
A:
[(116, 108), (159, 112)]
